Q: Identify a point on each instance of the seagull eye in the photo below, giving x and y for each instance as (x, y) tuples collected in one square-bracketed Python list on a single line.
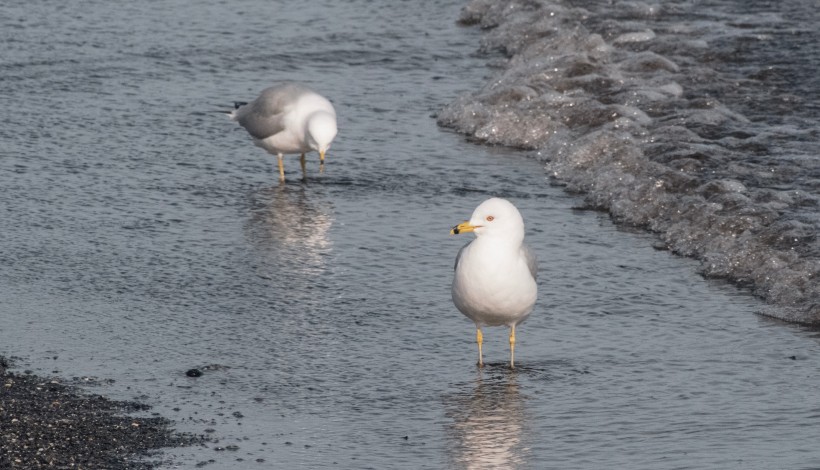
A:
[(490, 218)]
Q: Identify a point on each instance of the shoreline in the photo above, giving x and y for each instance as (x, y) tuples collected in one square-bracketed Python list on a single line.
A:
[(625, 107), (46, 423)]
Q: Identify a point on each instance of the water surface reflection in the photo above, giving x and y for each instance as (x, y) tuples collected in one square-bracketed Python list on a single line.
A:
[(289, 225), (489, 421)]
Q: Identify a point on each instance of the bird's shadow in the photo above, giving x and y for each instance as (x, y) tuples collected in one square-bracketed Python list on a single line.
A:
[(541, 370)]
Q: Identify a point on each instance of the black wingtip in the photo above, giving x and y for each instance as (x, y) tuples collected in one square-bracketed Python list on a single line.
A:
[(238, 104)]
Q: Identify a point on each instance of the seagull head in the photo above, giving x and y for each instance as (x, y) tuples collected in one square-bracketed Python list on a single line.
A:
[(321, 130), (496, 218)]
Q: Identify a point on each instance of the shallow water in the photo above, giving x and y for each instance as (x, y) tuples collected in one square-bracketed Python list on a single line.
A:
[(696, 121), (144, 235)]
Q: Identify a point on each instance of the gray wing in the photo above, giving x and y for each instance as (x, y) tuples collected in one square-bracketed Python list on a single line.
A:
[(532, 261), (458, 256), (263, 117)]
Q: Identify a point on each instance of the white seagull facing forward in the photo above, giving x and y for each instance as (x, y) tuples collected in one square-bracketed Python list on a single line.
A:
[(494, 282), (289, 118)]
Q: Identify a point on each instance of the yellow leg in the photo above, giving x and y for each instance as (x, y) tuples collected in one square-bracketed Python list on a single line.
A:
[(281, 168), (321, 162), (512, 347), (479, 338), (302, 162)]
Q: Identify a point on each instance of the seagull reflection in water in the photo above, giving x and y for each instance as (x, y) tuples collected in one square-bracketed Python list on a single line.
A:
[(291, 226), (488, 424)]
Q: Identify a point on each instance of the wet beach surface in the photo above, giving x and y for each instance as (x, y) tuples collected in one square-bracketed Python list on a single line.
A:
[(49, 424), (686, 121), (144, 235)]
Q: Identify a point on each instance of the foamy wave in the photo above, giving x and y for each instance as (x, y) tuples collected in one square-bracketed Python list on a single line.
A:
[(622, 104)]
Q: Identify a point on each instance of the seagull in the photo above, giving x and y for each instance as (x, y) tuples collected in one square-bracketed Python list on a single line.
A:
[(288, 118), (494, 282)]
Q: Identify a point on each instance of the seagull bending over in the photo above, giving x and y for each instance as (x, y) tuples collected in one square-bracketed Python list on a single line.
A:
[(289, 118)]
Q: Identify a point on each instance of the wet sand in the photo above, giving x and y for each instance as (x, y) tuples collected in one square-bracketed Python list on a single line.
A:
[(49, 424)]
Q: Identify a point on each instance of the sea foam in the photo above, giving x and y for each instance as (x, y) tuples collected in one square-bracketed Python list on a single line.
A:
[(624, 102)]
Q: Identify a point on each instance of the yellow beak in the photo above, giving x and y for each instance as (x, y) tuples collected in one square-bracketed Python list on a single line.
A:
[(321, 156), (462, 228)]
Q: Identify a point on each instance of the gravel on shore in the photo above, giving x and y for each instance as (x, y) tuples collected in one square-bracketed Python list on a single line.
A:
[(47, 424)]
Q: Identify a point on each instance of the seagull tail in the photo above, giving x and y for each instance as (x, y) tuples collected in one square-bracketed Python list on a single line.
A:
[(232, 113)]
